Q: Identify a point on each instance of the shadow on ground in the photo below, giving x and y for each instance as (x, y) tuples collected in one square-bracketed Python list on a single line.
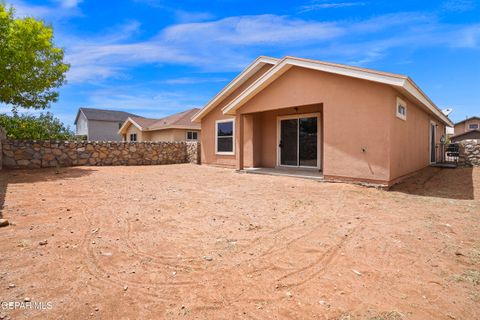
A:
[(440, 183), (9, 177)]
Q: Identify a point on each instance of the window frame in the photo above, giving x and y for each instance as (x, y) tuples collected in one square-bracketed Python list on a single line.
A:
[(135, 135), (227, 153), (192, 132), (473, 124), (401, 103)]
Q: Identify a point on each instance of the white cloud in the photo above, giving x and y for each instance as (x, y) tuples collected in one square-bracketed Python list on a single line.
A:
[(64, 9), (69, 3), (190, 80), (458, 5), (320, 5), (148, 103), (228, 44)]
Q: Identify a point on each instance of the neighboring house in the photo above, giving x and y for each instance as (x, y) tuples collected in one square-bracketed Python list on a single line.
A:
[(99, 124), (349, 123), (466, 129), (177, 127), (469, 124)]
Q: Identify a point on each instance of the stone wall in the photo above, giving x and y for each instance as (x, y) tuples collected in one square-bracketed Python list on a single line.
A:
[(41, 154), (3, 137), (193, 152), (469, 153)]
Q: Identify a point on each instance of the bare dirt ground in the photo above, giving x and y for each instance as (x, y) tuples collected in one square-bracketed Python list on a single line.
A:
[(192, 242)]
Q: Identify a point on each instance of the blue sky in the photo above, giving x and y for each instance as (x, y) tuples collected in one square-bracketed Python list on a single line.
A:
[(157, 57)]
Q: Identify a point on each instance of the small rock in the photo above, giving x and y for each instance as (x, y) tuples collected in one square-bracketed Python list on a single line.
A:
[(208, 258), (289, 294), (27, 300), (125, 288), (4, 222), (358, 273), (97, 308), (43, 243), (11, 285)]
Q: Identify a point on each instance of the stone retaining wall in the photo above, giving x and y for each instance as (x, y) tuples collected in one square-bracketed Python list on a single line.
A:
[(41, 154), (3, 137), (469, 153)]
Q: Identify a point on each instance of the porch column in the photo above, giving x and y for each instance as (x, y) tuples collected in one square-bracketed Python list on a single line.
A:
[(239, 119)]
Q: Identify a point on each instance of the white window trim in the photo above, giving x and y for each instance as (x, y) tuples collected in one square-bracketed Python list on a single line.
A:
[(233, 137), (402, 103), (470, 124), (186, 135)]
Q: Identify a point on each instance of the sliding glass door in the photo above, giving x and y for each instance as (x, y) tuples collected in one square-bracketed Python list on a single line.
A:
[(298, 145)]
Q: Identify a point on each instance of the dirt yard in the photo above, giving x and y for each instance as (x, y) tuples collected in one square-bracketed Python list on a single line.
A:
[(192, 242)]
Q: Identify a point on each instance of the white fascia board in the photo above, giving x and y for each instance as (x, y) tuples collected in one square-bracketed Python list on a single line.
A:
[(234, 84)]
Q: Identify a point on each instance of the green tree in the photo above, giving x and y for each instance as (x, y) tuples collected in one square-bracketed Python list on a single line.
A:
[(29, 127), (31, 66)]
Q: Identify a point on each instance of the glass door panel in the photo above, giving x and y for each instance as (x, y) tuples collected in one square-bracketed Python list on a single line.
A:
[(289, 142), (308, 142)]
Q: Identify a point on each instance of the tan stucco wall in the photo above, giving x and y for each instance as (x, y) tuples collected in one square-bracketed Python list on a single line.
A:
[(132, 129), (362, 137), (208, 126), (168, 135), (463, 127), (159, 135), (410, 138)]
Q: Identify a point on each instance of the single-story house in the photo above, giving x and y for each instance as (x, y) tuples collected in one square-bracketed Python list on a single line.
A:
[(100, 124), (347, 123), (177, 127)]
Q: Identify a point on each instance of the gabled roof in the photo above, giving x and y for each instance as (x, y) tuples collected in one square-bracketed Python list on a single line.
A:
[(181, 120), (395, 80), (104, 115), (249, 71), (471, 118)]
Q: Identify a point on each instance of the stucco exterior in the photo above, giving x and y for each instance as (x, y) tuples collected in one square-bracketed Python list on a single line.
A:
[(158, 135), (361, 137)]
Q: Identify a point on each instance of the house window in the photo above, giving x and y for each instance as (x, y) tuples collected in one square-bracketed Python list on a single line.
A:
[(473, 126), (401, 109), (133, 137), (224, 133), (192, 135)]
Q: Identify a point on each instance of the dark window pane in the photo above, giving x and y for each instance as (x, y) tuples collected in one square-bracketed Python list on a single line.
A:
[(224, 144), (225, 128), (288, 142), (189, 135), (195, 135), (308, 142)]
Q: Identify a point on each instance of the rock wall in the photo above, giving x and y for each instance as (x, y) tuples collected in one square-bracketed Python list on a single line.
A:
[(42, 154), (193, 152), (469, 153), (3, 137)]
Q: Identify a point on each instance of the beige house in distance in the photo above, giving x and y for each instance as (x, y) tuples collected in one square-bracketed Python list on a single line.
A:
[(177, 127), (466, 129), (337, 121)]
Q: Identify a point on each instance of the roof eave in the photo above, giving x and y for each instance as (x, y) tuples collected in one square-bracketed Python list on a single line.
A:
[(234, 84), (288, 62)]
